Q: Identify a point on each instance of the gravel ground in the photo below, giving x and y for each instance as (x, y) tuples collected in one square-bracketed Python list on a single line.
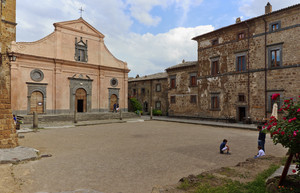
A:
[(130, 157)]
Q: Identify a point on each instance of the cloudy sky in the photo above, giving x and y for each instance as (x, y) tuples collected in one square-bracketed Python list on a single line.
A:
[(150, 35)]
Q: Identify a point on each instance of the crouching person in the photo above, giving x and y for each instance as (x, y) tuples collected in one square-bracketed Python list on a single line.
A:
[(224, 147)]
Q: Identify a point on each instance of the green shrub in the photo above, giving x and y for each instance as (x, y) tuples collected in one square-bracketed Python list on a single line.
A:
[(156, 112), (137, 112), (136, 104)]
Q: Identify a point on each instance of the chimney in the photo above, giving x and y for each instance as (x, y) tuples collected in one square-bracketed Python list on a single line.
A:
[(268, 8), (238, 20)]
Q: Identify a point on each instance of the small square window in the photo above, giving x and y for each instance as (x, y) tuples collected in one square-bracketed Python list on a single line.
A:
[(143, 90), (241, 98), (215, 42), (134, 91), (241, 36), (173, 99), (158, 87), (193, 99), (274, 26)]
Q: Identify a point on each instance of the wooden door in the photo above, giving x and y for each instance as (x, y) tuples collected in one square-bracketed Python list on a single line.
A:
[(37, 102), (80, 100), (113, 100)]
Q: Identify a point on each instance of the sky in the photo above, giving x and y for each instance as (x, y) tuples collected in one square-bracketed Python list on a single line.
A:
[(150, 35)]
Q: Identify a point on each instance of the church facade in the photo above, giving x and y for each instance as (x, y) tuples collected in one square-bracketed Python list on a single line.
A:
[(69, 70)]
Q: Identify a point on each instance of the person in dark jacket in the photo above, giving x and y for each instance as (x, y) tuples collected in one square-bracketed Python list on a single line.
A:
[(224, 147), (261, 138)]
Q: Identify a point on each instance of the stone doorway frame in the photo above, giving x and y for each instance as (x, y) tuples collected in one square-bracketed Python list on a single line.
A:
[(36, 87), (113, 91), (77, 83)]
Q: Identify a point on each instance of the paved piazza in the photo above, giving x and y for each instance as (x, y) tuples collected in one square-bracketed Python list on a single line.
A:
[(130, 157)]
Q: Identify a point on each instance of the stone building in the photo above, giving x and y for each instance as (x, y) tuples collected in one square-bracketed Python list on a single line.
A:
[(69, 70), (183, 90), (150, 91), (8, 137), (242, 65)]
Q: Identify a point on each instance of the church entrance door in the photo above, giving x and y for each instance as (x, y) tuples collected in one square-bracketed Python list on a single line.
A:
[(80, 100), (113, 100), (37, 102)]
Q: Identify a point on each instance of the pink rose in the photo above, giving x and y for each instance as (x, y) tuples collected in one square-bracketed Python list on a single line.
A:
[(275, 96), (294, 171), (284, 118), (292, 119), (282, 132), (298, 110), (295, 134)]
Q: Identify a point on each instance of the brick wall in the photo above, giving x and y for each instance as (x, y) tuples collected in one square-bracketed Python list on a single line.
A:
[(8, 136)]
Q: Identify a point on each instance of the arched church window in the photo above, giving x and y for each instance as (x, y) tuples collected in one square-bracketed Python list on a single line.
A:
[(81, 50)]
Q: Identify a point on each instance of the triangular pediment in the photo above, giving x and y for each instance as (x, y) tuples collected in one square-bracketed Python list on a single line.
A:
[(79, 25)]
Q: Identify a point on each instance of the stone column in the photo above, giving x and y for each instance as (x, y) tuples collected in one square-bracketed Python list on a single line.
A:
[(8, 135)]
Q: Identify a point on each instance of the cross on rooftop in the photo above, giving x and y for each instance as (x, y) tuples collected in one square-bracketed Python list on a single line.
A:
[(81, 10)]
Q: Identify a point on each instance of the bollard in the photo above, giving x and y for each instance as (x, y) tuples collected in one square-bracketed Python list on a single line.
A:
[(151, 113), (35, 121), (75, 116), (121, 114)]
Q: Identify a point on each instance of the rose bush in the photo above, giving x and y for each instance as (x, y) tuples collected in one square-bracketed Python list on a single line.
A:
[(286, 130)]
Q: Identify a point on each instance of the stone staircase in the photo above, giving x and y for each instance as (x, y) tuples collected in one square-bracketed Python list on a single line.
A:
[(28, 119)]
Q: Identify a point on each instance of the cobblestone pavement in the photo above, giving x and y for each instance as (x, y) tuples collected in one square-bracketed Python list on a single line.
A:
[(129, 157)]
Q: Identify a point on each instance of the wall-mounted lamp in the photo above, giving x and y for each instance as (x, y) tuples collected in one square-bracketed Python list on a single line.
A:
[(12, 57)]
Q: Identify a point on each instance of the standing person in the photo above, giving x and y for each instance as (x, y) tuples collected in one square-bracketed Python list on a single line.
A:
[(260, 152), (224, 147), (115, 108), (261, 137)]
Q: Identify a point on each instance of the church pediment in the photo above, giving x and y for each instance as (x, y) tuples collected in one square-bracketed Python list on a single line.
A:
[(79, 25)]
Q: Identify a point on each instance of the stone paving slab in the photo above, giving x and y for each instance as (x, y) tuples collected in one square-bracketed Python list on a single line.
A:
[(17, 154), (278, 172)]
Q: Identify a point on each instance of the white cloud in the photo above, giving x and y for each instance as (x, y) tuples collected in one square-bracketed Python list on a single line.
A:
[(253, 8), (148, 53)]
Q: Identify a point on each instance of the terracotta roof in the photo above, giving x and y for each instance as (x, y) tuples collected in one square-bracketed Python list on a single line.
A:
[(161, 75), (182, 65), (242, 22)]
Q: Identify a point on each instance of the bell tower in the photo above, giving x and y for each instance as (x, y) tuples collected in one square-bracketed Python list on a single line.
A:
[(8, 136)]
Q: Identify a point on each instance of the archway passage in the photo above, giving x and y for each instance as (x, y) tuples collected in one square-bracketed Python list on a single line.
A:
[(113, 100), (80, 100), (37, 102)]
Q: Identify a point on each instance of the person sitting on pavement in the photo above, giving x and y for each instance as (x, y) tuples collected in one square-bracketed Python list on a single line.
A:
[(224, 147), (260, 152)]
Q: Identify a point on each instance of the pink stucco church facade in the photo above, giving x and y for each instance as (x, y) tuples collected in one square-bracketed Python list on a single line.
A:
[(69, 70)]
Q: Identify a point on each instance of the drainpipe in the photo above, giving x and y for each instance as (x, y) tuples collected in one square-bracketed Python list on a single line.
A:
[(55, 72), (248, 66), (266, 81)]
